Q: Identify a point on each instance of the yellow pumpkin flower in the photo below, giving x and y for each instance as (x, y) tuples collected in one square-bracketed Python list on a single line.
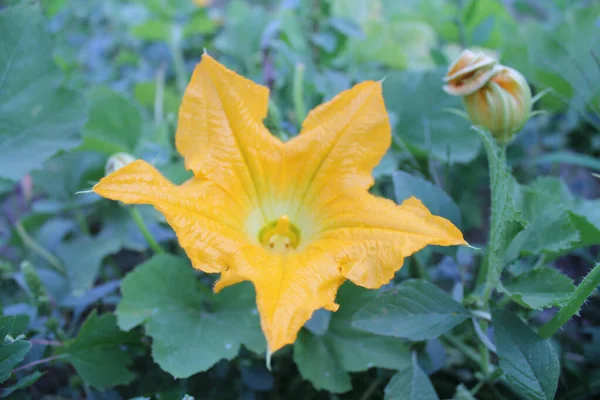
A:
[(294, 218)]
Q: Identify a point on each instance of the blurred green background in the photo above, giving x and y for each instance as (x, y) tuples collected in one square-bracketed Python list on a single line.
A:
[(81, 80)]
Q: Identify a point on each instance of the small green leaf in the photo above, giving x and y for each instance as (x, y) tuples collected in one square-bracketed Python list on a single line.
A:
[(410, 383), (434, 197), (191, 330), (21, 384), (115, 124), (153, 30), (200, 24), (528, 361), (326, 359), (415, 310), (540, 288), (37, 117), (11, 352), (97, 354)]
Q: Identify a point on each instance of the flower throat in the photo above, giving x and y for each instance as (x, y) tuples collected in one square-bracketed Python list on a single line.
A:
[(280, 236)]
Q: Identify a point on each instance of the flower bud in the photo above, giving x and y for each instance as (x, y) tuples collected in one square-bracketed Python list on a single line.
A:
[(117, 161), (502, 106), (469, 73)]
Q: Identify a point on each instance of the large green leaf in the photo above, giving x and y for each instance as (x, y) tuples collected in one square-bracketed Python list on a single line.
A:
[(549, 227), (97, 354), (540, 288), (115, 124), (528, 361), (37, 116), (326, 359), (415, 310), (410, 383), (557, 221), (191, 330), (82, 258), (434, 197), (417, 99)]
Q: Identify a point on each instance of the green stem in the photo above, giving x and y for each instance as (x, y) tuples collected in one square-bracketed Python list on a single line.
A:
[(181, 77), (159, 95), (463, 348), (372, 387), (38, 362), (572, 306), (37, 248), (298, 93), (139, 221), (484, 353)]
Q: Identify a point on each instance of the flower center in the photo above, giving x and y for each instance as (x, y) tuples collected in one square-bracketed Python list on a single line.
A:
[(280, 236)]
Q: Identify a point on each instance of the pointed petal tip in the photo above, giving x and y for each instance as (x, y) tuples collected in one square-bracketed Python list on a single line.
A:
[(268, 359), (471, 247)]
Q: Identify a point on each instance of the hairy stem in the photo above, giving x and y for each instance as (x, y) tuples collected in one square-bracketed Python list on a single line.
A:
[(573, 304)]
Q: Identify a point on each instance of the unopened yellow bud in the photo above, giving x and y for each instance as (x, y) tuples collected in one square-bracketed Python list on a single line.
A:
[(469, 73), (502, 106), (117, 161)]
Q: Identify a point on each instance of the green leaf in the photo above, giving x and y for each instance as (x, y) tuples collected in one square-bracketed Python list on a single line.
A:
[(82, 258), (416, 310), (564, 157), (200, 24), (21, 384), (153, 30), (410, 383), (37, 117), (424, 124), (97, 354), (12, 351), (550, 229), (115, 124), (506, 220), (528, 361), (191, 329), (325, 360), (436, 200), (239, 38), (68, 173), (540, 288)]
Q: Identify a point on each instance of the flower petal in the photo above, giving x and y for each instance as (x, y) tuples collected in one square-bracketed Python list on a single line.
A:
[(340, 144), (194, 210), (371, 236), (289, 288), (220, 131)]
